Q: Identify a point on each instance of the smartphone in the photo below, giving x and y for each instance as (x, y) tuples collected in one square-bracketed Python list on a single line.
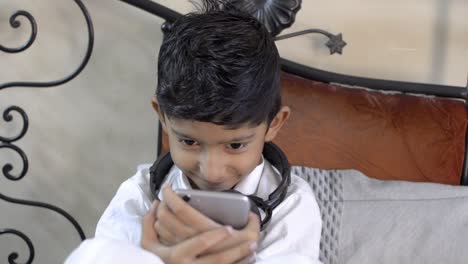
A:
[(223, 207)]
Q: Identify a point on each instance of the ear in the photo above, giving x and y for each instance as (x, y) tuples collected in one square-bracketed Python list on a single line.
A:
[(162, 119), (277, 122)]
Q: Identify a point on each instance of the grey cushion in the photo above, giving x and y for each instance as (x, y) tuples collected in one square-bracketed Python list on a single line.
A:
[(373, 221)]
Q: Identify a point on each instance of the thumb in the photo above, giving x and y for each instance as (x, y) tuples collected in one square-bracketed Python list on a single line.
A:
[(254, 222), (149, 238)]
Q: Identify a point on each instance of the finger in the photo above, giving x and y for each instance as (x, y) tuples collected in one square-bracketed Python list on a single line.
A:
[(172, 224), (149, 237), (200, 243), (187, 214), (247, 260), (225, 244), (231, 255), (251, 232), (165, 236)]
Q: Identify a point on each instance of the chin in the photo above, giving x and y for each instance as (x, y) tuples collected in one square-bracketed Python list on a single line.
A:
[(214, 188)]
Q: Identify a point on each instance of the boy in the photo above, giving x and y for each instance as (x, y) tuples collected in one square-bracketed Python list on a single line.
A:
[(218, 99)]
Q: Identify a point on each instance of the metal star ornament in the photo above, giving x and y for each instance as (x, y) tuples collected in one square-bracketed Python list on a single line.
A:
[(336, 44)]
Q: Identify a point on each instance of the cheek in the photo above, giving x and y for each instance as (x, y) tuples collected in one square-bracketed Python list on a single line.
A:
[(183, 159), (247, 162)]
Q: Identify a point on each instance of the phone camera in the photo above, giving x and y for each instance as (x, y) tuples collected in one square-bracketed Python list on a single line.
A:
[(186, 198)]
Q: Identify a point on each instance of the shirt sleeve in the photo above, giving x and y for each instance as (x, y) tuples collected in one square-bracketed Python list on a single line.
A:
[(295, 228), (122, 218), (108, 251)]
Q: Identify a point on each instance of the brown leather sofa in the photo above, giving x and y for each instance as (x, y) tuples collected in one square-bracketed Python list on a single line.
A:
[(382, 134)]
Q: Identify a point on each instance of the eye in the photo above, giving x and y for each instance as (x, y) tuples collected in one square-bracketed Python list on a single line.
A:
[(188, 142), (236, 146)]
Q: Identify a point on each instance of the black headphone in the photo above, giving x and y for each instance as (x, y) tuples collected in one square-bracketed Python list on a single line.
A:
[(271, 152)]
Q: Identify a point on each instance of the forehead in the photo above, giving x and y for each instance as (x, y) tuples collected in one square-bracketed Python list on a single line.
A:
[(212, 133)]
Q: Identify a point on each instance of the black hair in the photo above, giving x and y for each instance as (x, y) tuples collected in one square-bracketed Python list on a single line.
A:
[(219, 65)]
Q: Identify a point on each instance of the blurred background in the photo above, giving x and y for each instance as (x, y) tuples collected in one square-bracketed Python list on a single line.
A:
[(87, 136)]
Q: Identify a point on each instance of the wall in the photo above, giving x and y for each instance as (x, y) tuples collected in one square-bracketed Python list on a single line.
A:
[(85, 137)]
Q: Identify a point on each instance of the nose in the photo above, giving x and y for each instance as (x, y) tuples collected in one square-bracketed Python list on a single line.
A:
[(212, 167)]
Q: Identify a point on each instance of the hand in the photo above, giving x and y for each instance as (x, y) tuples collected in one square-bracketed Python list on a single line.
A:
[(178, 221), (191, 250)]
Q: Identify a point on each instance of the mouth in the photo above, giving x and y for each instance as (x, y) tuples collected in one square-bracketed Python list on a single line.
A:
[(210, 186), (198, 183)]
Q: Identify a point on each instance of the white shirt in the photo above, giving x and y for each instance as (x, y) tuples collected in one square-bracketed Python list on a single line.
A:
[(293, 232)]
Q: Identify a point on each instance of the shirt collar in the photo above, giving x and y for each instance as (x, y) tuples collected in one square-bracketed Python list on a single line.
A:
[(249, 184)]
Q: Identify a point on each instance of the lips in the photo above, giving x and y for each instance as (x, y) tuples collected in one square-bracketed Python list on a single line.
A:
[(210, 186), (198, 182)]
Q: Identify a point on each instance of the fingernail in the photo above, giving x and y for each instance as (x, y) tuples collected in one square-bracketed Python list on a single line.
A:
[(219, 237), (230, 230), (252, 258), (253, 246)]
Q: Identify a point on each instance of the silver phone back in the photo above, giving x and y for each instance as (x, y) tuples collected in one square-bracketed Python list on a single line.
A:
[(223, 207)]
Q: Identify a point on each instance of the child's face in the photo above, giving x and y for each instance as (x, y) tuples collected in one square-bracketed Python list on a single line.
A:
[(214, 157)]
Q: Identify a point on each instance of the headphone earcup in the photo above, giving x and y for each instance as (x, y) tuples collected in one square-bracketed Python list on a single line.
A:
[(158, 172)]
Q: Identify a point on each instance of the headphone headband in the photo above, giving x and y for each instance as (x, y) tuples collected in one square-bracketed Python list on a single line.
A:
[(271, 152)]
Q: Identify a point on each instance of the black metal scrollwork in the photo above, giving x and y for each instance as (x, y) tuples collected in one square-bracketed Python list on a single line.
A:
[(335, 42), (16, 24), (8, 142), (7, 116), (14, 255), (277, 15), (50, 207), (83, 64), (7, 168)]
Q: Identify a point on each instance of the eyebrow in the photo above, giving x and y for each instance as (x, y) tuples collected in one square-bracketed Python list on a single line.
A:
[(236, 139), (181, 135)]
